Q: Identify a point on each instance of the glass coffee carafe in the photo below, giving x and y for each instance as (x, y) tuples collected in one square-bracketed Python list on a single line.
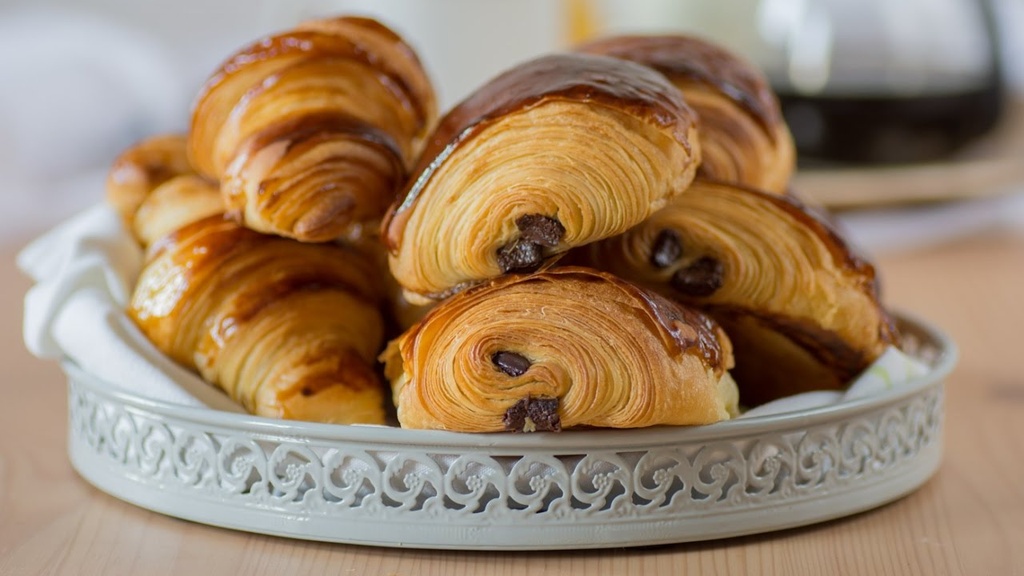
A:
[(866, 81)]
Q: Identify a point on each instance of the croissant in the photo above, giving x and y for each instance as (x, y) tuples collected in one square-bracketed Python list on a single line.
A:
[(286, 329), (313, 130), (559, 349), (155, 190), (802, 309), (743, 136), (554, 153), (174, 204)]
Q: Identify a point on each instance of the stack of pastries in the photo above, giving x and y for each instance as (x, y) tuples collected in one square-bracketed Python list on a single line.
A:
[(599, 238)]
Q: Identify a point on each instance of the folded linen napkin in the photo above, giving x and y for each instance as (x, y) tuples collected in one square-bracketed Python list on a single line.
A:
[(86, 267), (84, 270)]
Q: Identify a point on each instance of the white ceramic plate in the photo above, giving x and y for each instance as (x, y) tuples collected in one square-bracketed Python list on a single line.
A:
[(577, 489)]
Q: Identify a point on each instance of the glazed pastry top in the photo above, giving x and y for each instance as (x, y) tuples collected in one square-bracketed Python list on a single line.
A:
[(693, 59), (598, 80)]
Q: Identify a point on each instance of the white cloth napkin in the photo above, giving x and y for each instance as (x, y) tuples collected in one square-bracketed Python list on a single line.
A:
[(85, 270)]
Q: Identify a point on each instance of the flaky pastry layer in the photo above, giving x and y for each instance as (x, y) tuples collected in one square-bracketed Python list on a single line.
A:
[(560, 349)]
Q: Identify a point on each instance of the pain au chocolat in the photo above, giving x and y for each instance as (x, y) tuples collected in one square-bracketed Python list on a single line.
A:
[(559, 349), (743, 136), (555, 153), (801, 308), (313, 130)]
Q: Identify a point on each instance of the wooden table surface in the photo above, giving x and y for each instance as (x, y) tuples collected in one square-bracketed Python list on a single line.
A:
[(969, 519)]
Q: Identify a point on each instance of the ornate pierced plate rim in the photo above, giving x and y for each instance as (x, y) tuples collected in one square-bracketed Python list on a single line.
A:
[(564, 442)]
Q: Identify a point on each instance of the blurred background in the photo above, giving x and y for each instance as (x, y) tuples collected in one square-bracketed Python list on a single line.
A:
[(907, 113)]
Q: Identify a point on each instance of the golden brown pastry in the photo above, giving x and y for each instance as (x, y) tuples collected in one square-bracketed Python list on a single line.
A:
[(554, 153), (405, 313), (174, 204), (800, 307), (312, 130), (155, 190), (559, 349), (288, 330), (400, 313), (743, 136)]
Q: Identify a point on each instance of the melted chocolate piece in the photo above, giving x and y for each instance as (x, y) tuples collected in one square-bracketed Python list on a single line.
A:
[(543, 230), (533, 415), (511, 363), (521, 256), (667, 249), (525, 254), (701, 278)]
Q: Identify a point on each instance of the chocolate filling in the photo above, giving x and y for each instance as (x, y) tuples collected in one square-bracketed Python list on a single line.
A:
[(511, 363), (525, 253), (700, 278), (533, 415), (667, 249), (519, 255), (542, 230)]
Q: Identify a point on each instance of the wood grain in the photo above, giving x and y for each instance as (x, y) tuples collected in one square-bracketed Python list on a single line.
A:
[(968, 520)]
